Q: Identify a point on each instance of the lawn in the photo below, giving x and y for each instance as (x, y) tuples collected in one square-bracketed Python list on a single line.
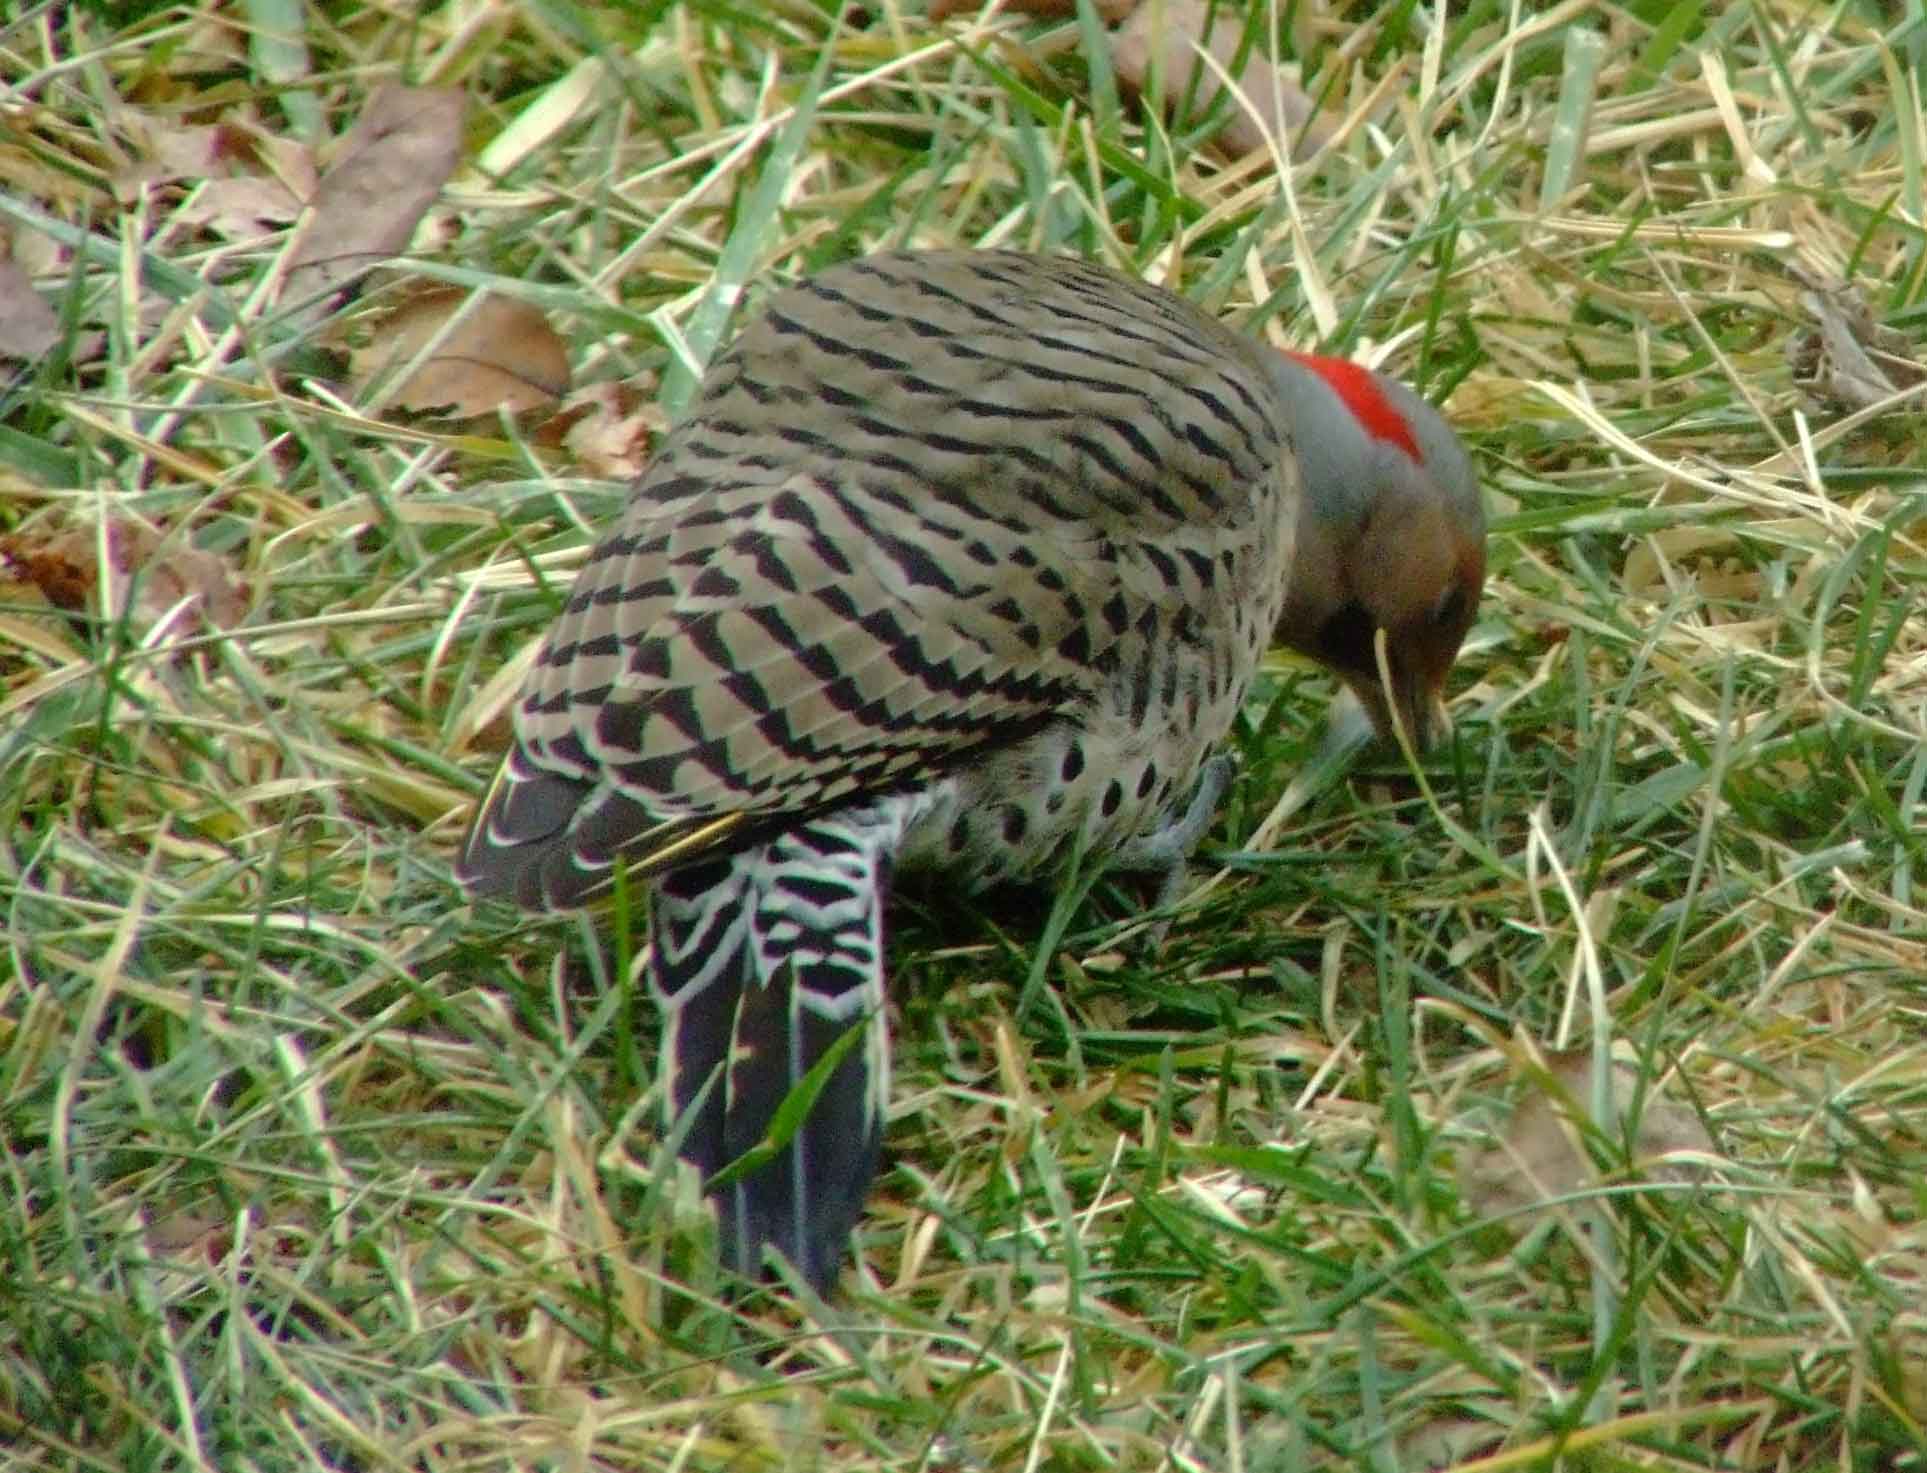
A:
[(1555, 1099)]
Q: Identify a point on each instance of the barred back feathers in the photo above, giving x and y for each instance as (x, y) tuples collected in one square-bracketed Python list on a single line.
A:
[(958, 556)]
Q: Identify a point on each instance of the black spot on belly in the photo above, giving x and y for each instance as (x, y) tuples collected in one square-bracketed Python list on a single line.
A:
[(1113, 797), (1147, 780), (1073, 762), (960, 834), (1016, 824)]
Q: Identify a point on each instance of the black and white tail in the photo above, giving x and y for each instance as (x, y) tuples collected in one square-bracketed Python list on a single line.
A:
[(762, 961)]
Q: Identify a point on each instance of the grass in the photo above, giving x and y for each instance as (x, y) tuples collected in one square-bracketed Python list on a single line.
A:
[(304, 1163)]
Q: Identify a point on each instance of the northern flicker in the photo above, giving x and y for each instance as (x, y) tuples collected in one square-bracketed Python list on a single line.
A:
[(956, 557)]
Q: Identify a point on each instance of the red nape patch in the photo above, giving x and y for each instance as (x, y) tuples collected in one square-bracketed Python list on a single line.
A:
[(1363, 397)]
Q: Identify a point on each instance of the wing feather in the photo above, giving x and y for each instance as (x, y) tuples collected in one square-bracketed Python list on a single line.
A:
[(914, 505)]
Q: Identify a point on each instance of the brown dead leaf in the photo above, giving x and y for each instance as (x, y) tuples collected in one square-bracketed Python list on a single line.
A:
[(191, 1234), (243, 183), (1111, 11), (62, 582), (1847, 360), (1158, 48), (495, 735), (28, 326), (189, 1238), (1445, 1442), (171, 152), (245, 208), (1541, 1155), (606, 428), (386, 174), (498, 354), (160, 570), (1687, 551), (245, 205)]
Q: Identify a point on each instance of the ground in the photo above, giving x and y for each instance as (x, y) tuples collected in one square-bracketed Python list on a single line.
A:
[(307, 1163)]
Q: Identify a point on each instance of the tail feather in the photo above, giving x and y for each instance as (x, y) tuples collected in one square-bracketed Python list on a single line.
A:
[(761, 962)]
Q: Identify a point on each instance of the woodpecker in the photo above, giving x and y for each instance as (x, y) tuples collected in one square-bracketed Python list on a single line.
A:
[(962, 558)]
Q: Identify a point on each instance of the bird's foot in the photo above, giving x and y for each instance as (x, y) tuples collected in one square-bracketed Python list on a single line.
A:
[(1166, 852)]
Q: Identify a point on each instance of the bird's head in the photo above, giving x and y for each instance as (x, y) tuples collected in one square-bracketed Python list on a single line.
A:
[(1391, 537)]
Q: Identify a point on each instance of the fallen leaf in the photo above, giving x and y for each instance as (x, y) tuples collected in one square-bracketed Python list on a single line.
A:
[(64, 583), (1847, 359), (488, 354), (388, 171), (1155, 52), (1541, 1155), (28, 326), (243, 209), (607, 429), (242, 184), (1445, 1442), (170, 152), (1649, 558), (201, 1234), (160, 570), (247, 206), (1111, 11)]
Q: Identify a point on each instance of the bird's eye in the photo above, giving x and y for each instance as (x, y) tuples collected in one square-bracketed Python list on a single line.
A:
[(1451, 606)]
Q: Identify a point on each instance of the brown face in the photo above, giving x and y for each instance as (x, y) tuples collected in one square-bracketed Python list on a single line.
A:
[(1420, 583)]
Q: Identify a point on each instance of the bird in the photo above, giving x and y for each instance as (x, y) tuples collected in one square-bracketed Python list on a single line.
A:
[(959, 559)]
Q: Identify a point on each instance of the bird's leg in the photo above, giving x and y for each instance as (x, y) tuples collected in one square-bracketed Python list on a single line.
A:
[(1165, 851)]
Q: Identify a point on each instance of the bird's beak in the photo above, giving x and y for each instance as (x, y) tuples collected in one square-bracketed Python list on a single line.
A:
[(1402, 695)]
